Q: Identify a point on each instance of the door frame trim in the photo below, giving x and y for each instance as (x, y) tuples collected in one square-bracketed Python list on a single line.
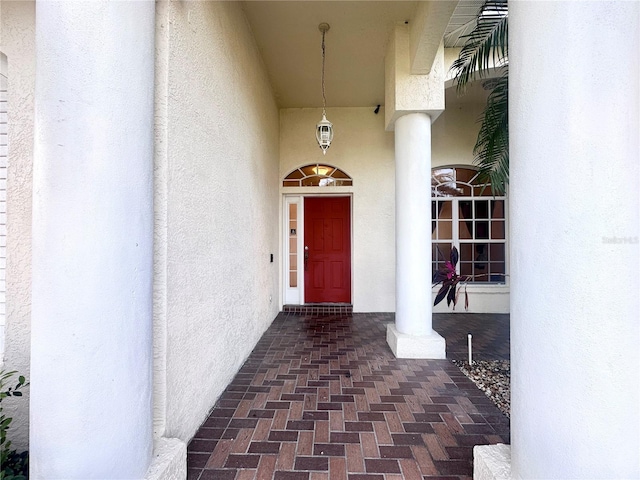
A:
[(287, 296)]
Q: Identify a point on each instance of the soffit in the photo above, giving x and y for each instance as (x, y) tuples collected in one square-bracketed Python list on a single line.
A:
[(288, 38), (462, 22), (287, 35)]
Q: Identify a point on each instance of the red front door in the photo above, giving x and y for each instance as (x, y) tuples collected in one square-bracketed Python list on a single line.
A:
[(327, 250)]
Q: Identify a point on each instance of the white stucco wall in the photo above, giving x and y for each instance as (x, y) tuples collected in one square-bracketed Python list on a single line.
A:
[(454, 132), (405, 92), (219, 166), (18, 44), (363, 149), (3, 195), (217, 202), (453, 136)]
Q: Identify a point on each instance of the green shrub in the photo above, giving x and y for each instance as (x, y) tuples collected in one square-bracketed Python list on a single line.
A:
[(13, 465)]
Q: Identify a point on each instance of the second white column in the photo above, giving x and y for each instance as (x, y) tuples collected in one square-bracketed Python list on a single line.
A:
[(413, 336)]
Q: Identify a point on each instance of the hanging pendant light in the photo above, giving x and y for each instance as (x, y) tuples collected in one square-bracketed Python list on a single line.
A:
[(324, 128)]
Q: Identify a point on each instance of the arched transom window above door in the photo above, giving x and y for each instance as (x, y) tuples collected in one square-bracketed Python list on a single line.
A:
[(317, 175), (458, 182)]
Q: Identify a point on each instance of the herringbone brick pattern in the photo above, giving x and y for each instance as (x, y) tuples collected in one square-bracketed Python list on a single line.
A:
[(324, 398), (490, 334)]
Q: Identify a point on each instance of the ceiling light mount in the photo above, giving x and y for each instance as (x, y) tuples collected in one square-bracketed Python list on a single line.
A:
[(324, 128)]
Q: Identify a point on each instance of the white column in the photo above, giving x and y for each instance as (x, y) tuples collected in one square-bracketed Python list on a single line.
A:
[(91, 349), (412, 336), (574, 203)]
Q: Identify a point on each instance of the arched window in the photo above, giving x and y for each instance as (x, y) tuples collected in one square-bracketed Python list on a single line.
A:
[(317, 175), (465, 213)]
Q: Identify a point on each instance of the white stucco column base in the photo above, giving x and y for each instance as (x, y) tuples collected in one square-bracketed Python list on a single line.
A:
[(169, 461), (492, 462), (404, 345)]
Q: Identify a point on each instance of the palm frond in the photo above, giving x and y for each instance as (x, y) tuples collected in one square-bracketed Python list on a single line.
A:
[(491, 152), (485, 46)]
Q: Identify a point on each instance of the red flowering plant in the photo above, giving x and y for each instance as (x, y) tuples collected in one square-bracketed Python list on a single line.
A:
[(451, 282)]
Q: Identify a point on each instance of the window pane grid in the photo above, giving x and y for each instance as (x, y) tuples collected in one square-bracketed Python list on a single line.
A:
[(468, 216), (293, 245), (317, 175)]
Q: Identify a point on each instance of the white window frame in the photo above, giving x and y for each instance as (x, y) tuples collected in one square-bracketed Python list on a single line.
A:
[(293, 295), (455, 231)]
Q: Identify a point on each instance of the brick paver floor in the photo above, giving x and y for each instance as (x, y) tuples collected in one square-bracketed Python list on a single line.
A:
[(489, 334), (323, 397)]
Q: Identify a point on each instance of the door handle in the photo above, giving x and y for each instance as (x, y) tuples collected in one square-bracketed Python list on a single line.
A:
[(306, 256)]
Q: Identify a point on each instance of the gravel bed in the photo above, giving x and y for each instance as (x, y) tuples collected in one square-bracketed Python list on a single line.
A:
[(493, 377)]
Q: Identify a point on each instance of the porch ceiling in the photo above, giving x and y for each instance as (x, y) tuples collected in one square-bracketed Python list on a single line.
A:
[(288, 38)]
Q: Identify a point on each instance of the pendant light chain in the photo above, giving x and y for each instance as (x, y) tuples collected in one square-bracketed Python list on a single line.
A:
[(324, 98), (324, 128)]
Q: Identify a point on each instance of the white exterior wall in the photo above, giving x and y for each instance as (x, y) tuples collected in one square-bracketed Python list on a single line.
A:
[(453, 136), (364, 150), (218, 167), (575, 150), (454, 132), (405, 92), (3, 196), (18, 44)]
